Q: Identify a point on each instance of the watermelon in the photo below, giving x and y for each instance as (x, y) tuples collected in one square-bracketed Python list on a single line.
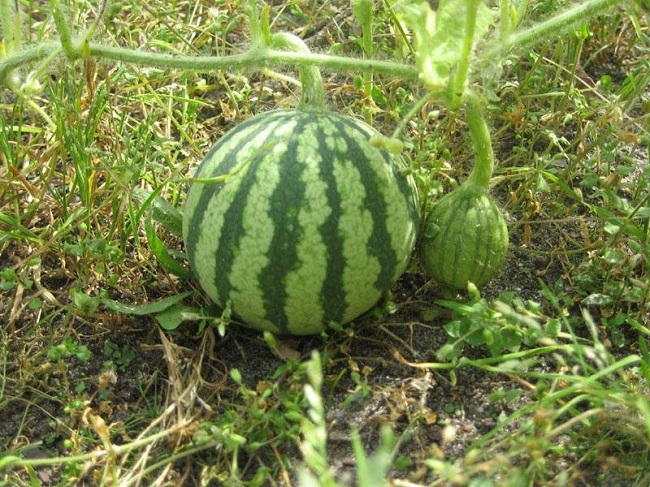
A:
[(295, 220), (466, 236), (465, 239)]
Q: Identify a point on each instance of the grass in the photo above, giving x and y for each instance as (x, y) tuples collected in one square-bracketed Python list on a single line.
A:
[(540, 379)]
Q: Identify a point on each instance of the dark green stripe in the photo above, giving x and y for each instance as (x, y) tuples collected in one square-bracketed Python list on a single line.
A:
[(228, 163), (231, 232), (380, 244), (455, 228), (283, 254), (209, 191), (500, 238), (482, 245), (333, 294), (446, 247)]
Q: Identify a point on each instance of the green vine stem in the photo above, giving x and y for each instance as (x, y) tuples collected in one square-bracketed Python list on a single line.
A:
[(64, 30), (252, 59), (546, 29), (10, 20), (413, 111), (270, 58), (10, 17), (83, 44), (312, 98), (479, 178), (459, 81), (16, 461), (504, 20), (364, 14)]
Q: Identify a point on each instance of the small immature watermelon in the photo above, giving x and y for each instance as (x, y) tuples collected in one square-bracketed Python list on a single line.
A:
[(307, 222), (465, 240)]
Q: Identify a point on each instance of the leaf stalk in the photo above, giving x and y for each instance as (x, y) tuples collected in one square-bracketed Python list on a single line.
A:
[(479, 178)]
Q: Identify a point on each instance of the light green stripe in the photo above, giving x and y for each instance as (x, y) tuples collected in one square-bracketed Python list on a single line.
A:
[(304, 285), (259, 226), (402, 231), (333, 140), (213, 217), (212, 222), (210, 168), (355, 225)]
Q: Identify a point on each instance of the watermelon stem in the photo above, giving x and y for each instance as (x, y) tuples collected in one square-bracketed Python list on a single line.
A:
[(479, 178), (458, 82), (313, 93)]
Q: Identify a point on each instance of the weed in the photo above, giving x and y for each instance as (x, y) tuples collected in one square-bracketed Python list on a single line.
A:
[(120, 357), (69, 348)]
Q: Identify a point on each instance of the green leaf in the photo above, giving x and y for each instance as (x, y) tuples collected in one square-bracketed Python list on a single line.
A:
[(553, 328), (83, 353), (597, 299), (8, 279), (643, 212), (147, 308), (450, 352), (362, 10), (455, 328), (478, 337), (84, 302), (510, 339), (161, 253), (235, 375), (161, 211), (439, 36), (481, 482), (372, 470), (172, 317), (462, 309), (645, 363), (57, 353)]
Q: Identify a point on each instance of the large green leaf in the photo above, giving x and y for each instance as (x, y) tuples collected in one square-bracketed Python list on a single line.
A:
[(439, 35)]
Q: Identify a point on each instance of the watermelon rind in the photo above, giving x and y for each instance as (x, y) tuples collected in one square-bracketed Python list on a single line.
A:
[(465, 239), (305, 222)]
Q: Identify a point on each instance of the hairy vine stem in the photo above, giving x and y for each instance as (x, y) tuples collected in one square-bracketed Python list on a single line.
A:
[(458, 82), (260, 57), (479, 178), (255, 58), (546, 29), (312, 98)]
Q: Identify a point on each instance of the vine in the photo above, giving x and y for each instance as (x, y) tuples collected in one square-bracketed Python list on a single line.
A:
[(255, 58), (419, 16)]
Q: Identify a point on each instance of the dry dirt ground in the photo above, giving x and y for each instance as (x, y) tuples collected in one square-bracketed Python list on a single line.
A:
[(433, 413)]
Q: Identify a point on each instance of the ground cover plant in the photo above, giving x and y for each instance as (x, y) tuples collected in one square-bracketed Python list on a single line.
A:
[(116, 369)]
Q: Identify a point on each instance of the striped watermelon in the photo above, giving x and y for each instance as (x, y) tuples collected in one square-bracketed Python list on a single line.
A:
[(465, 239), (309, 223)]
